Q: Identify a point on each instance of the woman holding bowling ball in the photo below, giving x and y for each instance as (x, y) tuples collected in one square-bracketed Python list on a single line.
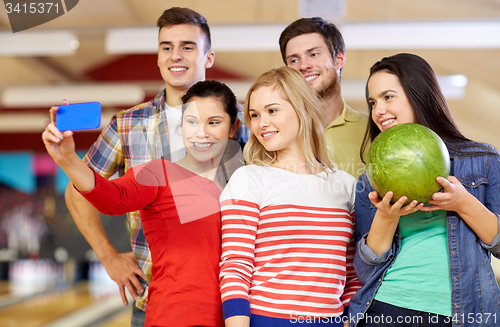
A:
[(426, 265)]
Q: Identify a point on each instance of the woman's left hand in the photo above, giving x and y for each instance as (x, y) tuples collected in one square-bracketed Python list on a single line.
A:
[(59, 145), (453, 196)]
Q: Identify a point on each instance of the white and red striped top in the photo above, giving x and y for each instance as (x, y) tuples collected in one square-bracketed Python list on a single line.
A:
[(287, 243)]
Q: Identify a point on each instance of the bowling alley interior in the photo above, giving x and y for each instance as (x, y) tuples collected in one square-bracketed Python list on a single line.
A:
[(106, 51)]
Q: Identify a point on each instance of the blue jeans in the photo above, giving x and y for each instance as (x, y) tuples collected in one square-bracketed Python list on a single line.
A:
[(383, 314), (138, 317)]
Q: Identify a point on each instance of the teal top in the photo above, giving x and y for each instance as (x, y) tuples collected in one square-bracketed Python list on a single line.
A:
[(419, 279)]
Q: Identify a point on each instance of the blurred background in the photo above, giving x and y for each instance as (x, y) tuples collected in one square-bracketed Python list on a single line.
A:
[(106, 51)]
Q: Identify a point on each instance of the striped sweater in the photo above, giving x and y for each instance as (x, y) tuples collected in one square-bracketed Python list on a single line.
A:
[(287, 243)]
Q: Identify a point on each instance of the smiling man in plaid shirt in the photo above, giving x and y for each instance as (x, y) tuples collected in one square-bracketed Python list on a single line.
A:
[(143, 133)]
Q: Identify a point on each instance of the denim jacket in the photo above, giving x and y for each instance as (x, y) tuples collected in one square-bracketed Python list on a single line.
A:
[(475, 298)]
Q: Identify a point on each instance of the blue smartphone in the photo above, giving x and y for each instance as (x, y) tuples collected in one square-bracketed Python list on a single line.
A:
[(78, 116)]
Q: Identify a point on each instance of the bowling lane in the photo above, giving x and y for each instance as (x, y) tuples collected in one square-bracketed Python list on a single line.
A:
[(4, 288), (44, 309), (119, 320)]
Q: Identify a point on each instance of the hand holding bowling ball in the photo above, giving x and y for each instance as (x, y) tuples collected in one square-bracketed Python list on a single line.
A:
[(406, 159)]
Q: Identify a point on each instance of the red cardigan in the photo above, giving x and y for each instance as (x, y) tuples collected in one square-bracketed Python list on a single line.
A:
[(181, 220)]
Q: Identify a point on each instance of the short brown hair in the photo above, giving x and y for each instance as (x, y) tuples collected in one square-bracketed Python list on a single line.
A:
[(179, 16), (329, 31)]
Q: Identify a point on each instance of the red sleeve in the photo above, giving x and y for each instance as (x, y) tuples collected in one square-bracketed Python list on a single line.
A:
[(124, 194)]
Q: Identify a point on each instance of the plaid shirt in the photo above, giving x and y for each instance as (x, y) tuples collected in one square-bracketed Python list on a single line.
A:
[(136, 136)]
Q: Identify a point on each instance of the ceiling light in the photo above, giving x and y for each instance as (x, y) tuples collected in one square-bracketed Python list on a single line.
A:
[(46, 96), (458, 80), (36, 122), (44, 43), (452, 86), (132, 40), (465, 34)]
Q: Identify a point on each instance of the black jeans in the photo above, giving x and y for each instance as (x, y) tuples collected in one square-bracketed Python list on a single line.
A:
[(383, 314)]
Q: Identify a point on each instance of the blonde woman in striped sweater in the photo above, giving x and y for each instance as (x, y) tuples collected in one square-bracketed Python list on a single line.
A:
[(288, 216)]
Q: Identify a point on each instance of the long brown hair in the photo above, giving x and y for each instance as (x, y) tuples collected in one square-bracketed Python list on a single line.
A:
[(424, 94)]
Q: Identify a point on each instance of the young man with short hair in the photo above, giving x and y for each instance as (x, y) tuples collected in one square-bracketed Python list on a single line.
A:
[(140, 134), (316, 48)]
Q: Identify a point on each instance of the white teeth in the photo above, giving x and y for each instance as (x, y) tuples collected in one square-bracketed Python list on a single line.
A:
[(178, 69), (387, 122), (202, 145), (270, 133), (310, 77)]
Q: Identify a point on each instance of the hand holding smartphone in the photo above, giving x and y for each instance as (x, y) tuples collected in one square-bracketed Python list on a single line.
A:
[(78, 116)]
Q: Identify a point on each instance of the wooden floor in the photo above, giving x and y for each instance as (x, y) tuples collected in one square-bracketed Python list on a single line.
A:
[(4, 288), (75, 306), (49, 308), (120, 320)]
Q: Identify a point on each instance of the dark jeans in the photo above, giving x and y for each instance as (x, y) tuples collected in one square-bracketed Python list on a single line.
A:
[(383, 314), (138, 317), (294, 320)]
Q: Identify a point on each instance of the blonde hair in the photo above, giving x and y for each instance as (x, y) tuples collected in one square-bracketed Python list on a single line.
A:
[(305, 102)]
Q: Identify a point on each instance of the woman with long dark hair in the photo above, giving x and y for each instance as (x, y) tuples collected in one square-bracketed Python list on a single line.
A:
[(426, 265)]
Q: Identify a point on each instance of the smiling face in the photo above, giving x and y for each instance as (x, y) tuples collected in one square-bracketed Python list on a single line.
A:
[(388, 100), (181, 56), (309, 54), (273, 121), (206, 127)]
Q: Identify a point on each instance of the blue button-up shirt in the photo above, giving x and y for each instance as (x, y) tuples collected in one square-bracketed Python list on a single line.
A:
[(475, 299)]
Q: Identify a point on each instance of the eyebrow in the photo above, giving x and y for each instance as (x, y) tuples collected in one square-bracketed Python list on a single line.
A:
[(308, 50), (212, 117), (381, 94), (182, 43), (266, 106), (271, 104)]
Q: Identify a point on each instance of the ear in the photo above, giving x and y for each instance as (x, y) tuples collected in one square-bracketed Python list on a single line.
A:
[(339, 60), (209, 61), (234, 128)]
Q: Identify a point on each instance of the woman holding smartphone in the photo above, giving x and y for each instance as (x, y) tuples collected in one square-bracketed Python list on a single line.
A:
[(179, 204)]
